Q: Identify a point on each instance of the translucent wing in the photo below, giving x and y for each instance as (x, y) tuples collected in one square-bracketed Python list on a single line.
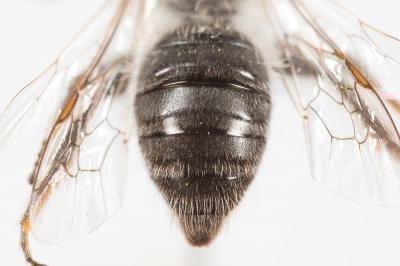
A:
[(80, 109), (81, 171), (30, 115), (344, 77)]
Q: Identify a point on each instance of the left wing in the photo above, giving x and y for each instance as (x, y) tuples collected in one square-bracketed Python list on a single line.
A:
[(79, 109), (344, 78)]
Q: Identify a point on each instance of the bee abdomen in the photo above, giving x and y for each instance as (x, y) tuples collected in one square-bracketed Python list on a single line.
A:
[(202, 113)]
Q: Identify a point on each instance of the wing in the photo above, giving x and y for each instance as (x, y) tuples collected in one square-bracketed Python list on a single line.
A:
[(79, 109), (30, 115), (344, 77), (80, 175)]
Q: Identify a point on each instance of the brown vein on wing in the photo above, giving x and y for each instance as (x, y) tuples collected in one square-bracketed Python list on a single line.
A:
[(83, 80), (358, 75), (63, 160)]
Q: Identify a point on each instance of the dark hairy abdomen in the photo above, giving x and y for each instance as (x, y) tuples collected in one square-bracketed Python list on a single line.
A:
[(202, 111)]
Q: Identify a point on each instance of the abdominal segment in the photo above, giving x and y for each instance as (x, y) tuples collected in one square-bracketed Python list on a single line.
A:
[(202, 111)]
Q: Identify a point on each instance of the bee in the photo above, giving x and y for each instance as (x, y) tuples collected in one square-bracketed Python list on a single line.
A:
[(197, 75)]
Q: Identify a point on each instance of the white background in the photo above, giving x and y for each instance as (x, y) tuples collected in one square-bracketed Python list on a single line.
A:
[(285, 219)]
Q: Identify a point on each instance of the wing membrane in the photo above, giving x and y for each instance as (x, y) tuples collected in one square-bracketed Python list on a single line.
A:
[(79, 110), (80, 177), (28, 118), (344, 77), (77, 181)]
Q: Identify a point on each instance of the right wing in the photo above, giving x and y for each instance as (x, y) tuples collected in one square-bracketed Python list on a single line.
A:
[(344, 77)]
